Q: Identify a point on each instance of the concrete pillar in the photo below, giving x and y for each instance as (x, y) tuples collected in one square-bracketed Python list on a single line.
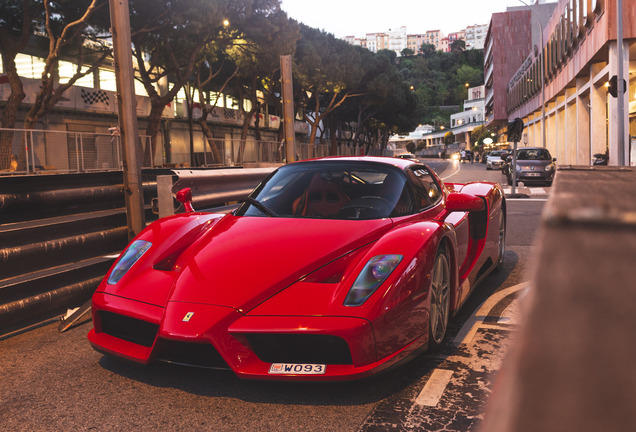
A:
[(583, 150), (560, 133), (598, 118), (571, 133), (551, 133), (613, 105)]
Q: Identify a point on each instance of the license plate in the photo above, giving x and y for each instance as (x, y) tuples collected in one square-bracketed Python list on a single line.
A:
[(297, 368), (533, 174)]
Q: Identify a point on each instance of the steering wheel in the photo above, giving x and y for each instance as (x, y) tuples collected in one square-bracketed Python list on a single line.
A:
[(369, 204)]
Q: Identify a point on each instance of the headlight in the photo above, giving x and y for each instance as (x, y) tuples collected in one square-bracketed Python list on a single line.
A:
[(518, 167), (371, 277), (549, 167), (127, 259)]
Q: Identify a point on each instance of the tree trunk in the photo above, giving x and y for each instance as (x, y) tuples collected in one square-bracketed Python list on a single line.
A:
[(210, 139), (333, 132), (9, 115), (154, 124)]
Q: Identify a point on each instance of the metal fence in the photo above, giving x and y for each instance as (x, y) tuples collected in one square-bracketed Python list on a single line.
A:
[(35, 151), (49, 151), (237, 152)]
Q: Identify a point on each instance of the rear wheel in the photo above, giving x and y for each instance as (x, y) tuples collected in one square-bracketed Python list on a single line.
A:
[(440, 299)]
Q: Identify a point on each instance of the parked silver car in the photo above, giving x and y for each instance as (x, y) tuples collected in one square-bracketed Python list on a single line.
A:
[(493, 160)]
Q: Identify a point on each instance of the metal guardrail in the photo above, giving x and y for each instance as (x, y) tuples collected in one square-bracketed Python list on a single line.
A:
[(59, 234)]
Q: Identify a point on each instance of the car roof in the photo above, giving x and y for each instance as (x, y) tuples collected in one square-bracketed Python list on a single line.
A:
[(393, 161)]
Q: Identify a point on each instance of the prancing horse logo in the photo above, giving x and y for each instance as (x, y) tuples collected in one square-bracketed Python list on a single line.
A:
[(187, 317)]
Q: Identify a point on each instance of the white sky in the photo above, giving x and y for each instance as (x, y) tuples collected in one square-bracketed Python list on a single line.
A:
[(359, 17)]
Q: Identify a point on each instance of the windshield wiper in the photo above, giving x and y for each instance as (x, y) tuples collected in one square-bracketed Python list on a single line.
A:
[(262, 207)]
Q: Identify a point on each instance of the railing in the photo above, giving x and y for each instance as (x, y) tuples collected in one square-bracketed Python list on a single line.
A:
[(48, 151), (35, 151)]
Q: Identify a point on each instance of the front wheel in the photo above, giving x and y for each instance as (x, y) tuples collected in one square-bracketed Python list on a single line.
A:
[(440, 299)]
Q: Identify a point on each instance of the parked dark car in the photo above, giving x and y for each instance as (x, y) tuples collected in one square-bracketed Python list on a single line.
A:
[(534, 165)]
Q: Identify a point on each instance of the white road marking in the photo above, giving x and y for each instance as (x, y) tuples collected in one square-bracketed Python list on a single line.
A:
[(472, 324), (434, 388), (450, 175)]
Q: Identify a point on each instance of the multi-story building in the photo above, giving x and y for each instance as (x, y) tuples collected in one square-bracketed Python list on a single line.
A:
[(414, 42), (377, 41), (464, 122), (434, 37), (509, 39), (460, 35), (560, 88), (475, 36), (398, 40), (444, 45)]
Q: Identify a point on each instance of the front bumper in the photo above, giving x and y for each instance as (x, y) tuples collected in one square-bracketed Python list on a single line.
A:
[(535, 176), (493, 164), (222, 338)]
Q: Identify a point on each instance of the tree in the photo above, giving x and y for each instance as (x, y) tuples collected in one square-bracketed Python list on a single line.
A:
[(329, 73), (410, 147), (406, 52), (380, 80), (449, 137), (218, 74), (458, 45), (266, 37), (15, 31), (69, 25), (427, 50), (170, 38)]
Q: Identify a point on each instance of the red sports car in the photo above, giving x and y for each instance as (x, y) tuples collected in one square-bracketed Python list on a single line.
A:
[(332, 269)]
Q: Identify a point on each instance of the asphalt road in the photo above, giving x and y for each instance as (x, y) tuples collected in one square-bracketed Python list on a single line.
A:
[(55, 381)]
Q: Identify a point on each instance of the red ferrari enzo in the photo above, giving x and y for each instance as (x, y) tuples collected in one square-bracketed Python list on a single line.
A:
[(332, 269)]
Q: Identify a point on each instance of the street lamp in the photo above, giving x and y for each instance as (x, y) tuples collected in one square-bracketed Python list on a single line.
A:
[(541, 68)]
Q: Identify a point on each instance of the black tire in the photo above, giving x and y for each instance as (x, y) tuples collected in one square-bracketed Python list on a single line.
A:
[(439, 310)]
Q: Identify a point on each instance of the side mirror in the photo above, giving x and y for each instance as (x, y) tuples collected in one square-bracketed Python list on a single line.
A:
[(184, 196), (463, 202), (553, 159)]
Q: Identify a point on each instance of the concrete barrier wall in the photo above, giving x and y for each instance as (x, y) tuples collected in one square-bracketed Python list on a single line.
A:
[(571, 366)]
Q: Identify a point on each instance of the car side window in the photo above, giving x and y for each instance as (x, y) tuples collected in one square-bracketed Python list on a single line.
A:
[(427, 190)]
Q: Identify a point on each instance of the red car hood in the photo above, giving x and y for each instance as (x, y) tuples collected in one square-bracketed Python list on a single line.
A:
[(243, 261)]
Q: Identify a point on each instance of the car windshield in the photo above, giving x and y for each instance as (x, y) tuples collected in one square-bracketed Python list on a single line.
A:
[(332, 190), (533, 154)]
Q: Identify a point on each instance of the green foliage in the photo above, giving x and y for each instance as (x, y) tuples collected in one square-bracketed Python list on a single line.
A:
[(439, 80), (457, 45)]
